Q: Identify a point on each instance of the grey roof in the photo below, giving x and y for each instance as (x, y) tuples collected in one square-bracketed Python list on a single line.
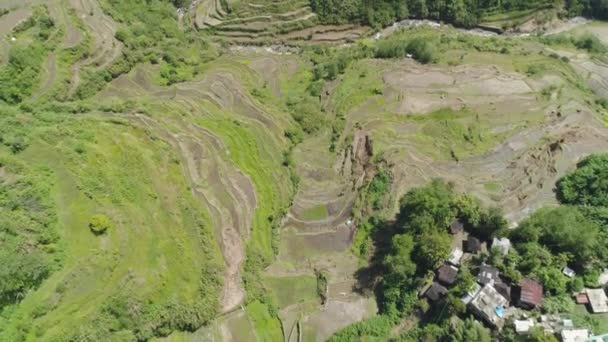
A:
[(435, 292), (455, 256), (598, 300), (447, 274), (487, 275), (489, 304), (456, 226), (503, 288), (473, 244)]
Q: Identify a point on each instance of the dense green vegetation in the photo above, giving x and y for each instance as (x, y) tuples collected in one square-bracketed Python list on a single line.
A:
[(28, 229), (592, 8), (382, 13), (419, 243), (588, 185), (40, 200), (22, 72), (150, 36), (52, 241), (467, 13)]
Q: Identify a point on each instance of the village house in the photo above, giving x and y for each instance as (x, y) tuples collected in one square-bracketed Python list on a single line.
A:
[(446, 275), (468, 297), (490, 306), (531, 294), (523, 326), (472, 245), (455, 256), (435, 292), (456, 227), (503, 288), (575, 335), (487, 275), (597, 300), (581, 298)]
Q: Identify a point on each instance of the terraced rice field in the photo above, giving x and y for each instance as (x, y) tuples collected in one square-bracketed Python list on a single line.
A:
[(268, 21), (194, 176)]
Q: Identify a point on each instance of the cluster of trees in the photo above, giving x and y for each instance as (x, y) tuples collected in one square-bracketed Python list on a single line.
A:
[(545, 243), (28, 236), (591, 8), (379, 13), (588, 185), (21, 74), (419, 48), (466, 13), (422, 242)]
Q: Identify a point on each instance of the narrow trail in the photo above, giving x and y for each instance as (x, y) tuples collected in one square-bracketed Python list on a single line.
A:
[(51, 73)]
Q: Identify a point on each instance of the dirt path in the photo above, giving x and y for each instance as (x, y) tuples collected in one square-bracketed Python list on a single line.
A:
[(50, 67)]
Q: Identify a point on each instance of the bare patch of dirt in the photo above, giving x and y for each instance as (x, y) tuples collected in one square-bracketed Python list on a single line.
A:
[(336, 315)]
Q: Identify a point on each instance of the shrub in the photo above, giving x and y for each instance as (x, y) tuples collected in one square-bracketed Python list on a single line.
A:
[(99, 224), (591, 43)]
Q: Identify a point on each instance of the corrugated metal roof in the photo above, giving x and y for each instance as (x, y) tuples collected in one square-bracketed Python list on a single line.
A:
[(531, 292)]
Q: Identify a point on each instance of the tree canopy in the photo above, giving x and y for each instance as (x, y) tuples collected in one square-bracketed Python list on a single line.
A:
[(588, 185), (562, 229), (466, 13)]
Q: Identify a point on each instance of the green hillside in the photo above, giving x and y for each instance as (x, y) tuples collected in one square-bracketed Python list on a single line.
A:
[(233, 170)]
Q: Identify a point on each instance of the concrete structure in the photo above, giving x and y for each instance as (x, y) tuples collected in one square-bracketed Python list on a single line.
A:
[(598, 338), (568, 272), (490, 306), (487, 275), (523, 326), (455, 256), (575, 335), (597, 300), (467, 298)]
